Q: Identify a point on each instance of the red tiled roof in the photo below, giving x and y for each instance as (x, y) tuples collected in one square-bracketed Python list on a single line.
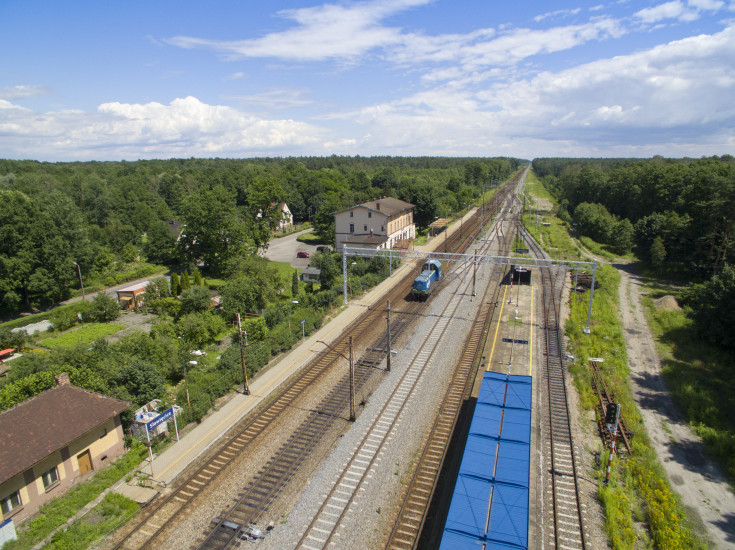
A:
[(41, 425)]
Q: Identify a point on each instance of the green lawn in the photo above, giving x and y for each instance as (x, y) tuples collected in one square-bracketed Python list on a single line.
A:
[(83, 335)]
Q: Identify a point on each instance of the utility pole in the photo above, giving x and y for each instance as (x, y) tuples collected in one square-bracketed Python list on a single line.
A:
[(474, 273), (352, 375), (389, 350), (353, 415), (81, 284), (245, 387)]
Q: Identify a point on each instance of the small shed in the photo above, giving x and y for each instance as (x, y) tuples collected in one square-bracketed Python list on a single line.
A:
[(310, 275), (438, 225), (131, 297)]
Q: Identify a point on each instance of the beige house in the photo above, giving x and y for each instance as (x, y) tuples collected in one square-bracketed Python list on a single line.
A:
[(50, 441), (379, 223)]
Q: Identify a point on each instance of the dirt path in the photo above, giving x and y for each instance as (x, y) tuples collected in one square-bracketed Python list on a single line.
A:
[(703, 489)]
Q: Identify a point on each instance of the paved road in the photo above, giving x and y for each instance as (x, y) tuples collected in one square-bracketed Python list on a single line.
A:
[(284, 249)]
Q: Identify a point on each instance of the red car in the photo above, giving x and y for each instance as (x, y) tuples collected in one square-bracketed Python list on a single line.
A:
[(302, 254)]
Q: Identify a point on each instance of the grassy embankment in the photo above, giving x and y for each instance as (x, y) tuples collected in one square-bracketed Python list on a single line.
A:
[(641, 510)]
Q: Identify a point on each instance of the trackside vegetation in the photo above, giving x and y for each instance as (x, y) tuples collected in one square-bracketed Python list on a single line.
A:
[(641, 510)]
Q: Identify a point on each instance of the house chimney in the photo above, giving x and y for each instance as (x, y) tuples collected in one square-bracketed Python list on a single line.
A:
[(62, 379)]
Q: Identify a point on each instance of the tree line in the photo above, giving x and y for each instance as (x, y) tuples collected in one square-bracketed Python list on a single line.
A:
[(104, 216), (676, 214)]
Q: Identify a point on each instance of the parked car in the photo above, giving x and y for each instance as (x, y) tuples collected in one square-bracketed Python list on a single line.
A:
[(302, 254), (323, 249)]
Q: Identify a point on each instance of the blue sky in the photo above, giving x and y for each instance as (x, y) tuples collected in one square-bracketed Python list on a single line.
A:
[(90, 80)]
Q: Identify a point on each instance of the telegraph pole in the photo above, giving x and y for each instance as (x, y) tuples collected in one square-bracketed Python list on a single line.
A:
[(389, 350), (353, 415), (245, 388)]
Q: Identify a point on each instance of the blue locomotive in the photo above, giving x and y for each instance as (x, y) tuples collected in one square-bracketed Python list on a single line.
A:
[(425, 283)]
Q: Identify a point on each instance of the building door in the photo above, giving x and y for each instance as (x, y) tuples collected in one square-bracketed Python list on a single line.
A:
[(85, 462)]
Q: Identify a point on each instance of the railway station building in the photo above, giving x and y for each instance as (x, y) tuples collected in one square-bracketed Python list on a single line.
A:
[(50, 441), (380, 223)]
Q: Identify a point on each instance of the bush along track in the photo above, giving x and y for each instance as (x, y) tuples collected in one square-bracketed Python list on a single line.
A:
[(640, 508)]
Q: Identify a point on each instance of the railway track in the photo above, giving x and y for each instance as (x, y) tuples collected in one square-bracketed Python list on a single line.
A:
[(162, 515), (412, 514), (562, 507), (324, 526), (259, 494)]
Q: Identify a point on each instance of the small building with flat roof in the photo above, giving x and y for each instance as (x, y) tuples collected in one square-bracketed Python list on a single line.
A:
[(131, 297), (53, 439)]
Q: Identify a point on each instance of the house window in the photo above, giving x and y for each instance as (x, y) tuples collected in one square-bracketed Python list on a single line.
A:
[(10, 503), (364, 227), (370, 214), (382, 228), (352, 227), (50, 478), (352, 214), (103, 433)]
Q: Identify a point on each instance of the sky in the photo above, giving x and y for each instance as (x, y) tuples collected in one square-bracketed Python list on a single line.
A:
[(91, 80)]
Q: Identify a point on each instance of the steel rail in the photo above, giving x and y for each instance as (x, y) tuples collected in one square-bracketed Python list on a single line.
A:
[(412, 515), (565, 501)]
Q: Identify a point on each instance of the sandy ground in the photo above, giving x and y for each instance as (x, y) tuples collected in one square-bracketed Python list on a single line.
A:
[(703, 488)]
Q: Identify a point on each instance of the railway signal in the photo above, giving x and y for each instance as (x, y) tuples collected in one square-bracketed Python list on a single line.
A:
[(612, 415)]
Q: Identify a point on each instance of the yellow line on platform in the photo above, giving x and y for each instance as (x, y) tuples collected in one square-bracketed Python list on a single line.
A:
[(530, 340), (497, 327)]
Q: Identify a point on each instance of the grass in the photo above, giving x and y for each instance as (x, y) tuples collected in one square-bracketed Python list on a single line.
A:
[(639, 491), (310, 238), (108, 515), (56, 512), (699, 378), (83, 335)]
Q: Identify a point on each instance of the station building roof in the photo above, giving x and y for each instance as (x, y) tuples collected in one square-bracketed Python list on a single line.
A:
[(490, 502), (33, 429)]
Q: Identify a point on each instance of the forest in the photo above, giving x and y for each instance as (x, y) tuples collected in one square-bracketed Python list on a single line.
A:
[(103, 216), (110, 222), (676, 214)]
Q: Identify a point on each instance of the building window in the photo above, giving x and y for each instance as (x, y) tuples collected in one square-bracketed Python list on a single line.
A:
[(382, 228), (370, 214), (50, 478), (10, 503), (352, 228), (364, 227), (352, 214), (103, 433)]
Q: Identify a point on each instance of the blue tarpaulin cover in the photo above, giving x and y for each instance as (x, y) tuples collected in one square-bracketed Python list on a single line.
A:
[(490, 502)]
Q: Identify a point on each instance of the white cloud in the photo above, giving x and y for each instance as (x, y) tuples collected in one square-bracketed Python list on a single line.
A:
[(676, 9), (672, 96), (185, 127), (322, 32), (21, 92)]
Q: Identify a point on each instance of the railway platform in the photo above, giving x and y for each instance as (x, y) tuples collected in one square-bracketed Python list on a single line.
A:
[(174, 460)]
